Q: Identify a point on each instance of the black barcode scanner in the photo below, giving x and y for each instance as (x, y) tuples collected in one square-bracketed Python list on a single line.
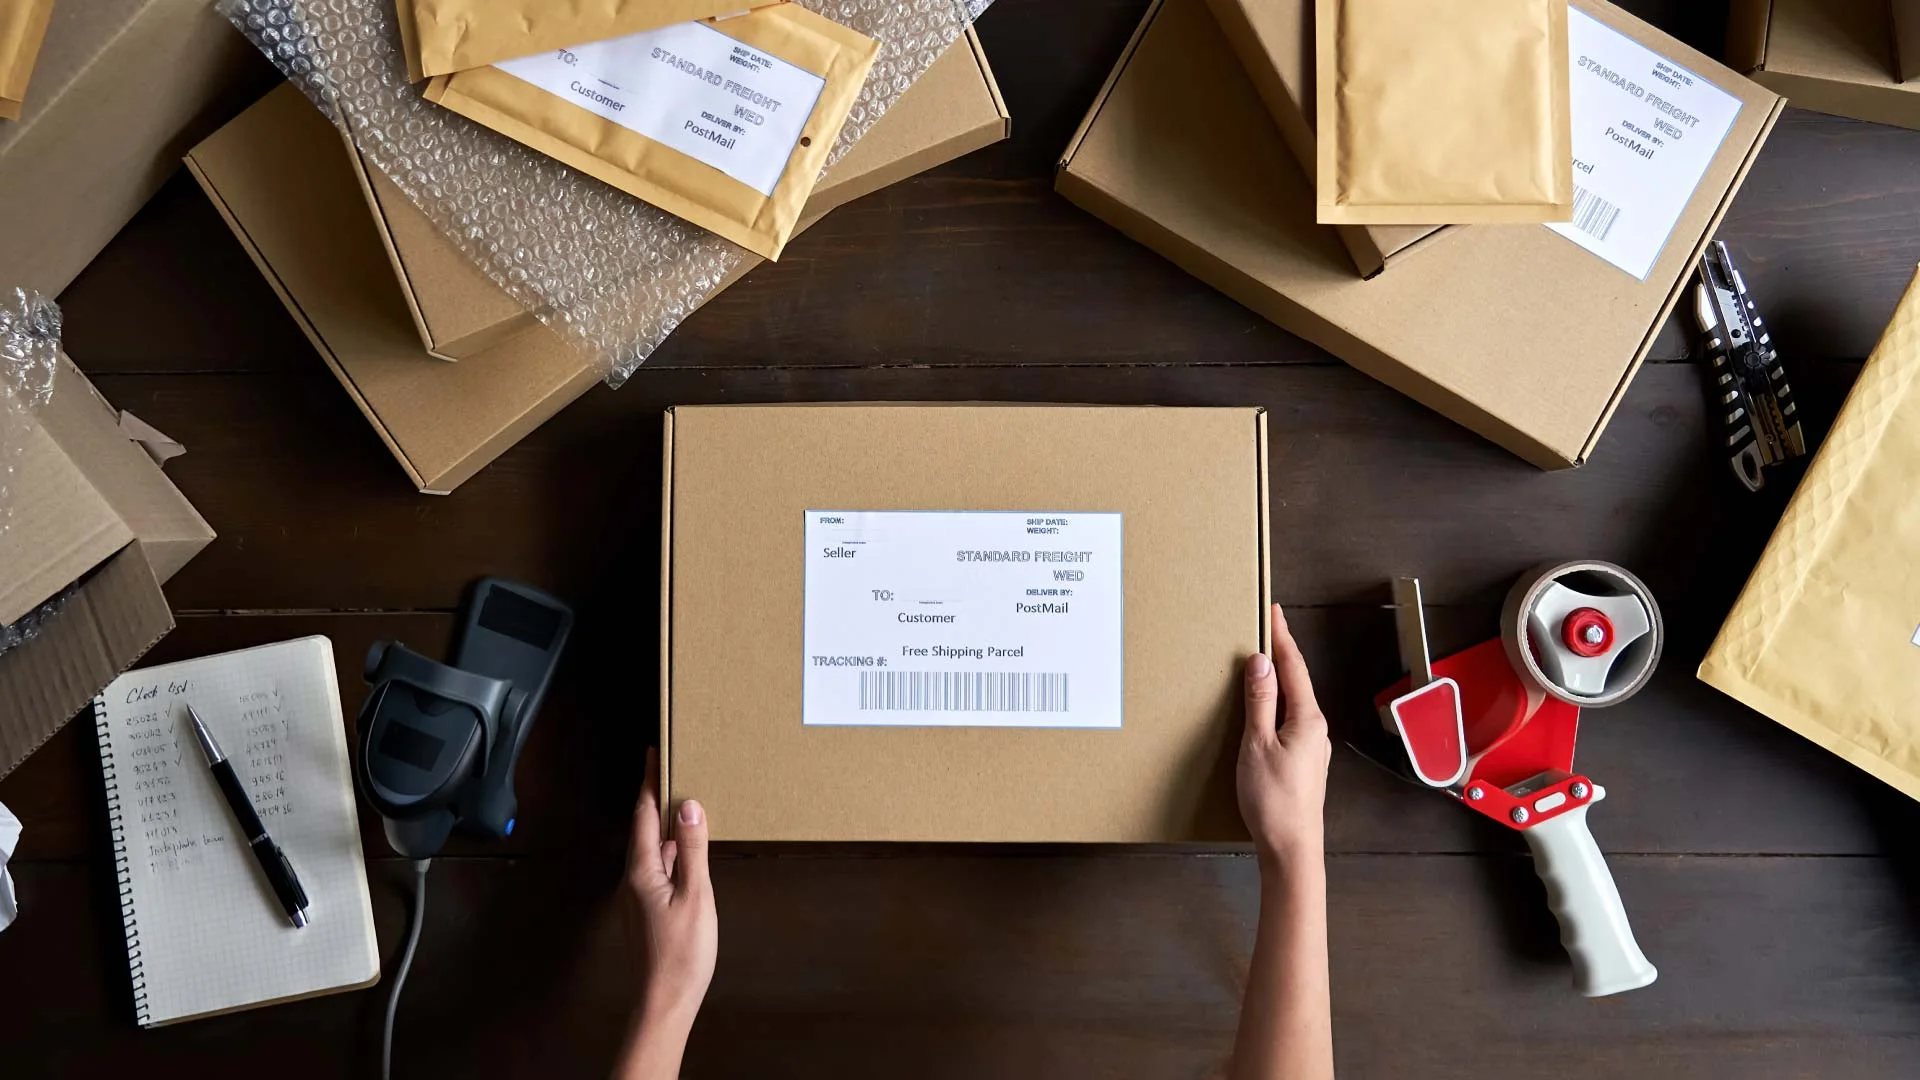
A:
[(438, 742)]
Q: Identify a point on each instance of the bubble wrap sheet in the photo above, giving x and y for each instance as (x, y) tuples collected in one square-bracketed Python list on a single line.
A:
[(29, 355), (610, 272)]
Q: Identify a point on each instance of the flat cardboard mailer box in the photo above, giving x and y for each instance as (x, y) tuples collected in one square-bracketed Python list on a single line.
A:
[(95, 519), (300, 206), (1516, 332), (121, 88), (904, 622), (1831, 56), (1825, 637), (1274, 41), (953, 109)]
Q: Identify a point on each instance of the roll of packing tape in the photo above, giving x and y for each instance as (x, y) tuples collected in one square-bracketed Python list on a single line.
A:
[(1588, 633)]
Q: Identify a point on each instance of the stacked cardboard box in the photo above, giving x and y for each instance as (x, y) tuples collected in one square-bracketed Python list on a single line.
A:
[(1514, 331), (300, 203)]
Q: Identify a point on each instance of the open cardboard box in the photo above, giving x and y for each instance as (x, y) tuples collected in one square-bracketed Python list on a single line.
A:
[(1513, 331), (1190, 486), (1831, 56), (280, 178), (89, 507), (121, 88)]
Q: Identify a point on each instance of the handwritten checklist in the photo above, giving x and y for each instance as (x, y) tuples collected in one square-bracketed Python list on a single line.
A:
[(204, 933)]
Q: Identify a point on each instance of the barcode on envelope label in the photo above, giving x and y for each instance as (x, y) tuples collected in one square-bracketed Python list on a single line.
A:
[(1592, 214), (963, 691)]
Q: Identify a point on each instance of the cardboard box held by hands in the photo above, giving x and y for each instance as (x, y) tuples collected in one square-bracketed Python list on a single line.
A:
[(965, 622)]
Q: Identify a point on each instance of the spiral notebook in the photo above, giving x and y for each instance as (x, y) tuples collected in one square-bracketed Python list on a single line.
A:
[(204, 933)]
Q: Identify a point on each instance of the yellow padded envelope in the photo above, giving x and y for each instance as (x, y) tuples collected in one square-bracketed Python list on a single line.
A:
[(1825, 638), (440, 37)]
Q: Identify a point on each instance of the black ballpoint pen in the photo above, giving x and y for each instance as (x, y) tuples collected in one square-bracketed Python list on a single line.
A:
[(273, 861)]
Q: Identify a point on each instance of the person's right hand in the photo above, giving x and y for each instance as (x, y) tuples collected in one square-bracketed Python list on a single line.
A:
[(1282, 775)]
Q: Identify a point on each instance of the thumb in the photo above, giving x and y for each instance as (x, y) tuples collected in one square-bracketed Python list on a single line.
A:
[(690, 832), (1263, 697)]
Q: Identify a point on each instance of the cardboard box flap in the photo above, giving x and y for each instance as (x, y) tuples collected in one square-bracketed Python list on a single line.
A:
[(457, 308), (1825, 637), (1833, 56), (1906, 39), (1178, 152), (1747, 33), (170, 530), (114, 617), (61, 527)]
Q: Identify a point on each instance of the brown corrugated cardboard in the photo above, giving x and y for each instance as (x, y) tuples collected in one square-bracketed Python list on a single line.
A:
[(444, 422), (456, 307), (1906, 39), (953, 109), (23, 25), (120, 90), (1190, 485), (1823, 638), (1514, 331), (1831, 56), (99, 631), (88, 506), (1274, 41)]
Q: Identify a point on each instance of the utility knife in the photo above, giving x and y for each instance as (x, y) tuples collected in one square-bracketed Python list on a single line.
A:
[(1749, 385)]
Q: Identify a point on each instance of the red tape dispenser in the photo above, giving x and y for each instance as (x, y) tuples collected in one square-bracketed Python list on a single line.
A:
[(1494, 726)]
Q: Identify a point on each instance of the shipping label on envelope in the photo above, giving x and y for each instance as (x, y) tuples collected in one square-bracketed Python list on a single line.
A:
[(1825, 638), (444, 36), (726, 124)]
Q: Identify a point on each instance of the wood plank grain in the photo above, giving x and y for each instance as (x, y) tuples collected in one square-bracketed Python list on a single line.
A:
[(1063, 966), (313, 514)]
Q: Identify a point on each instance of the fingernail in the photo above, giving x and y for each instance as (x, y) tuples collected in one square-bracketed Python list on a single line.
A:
[(1258, 666), (691, 814)]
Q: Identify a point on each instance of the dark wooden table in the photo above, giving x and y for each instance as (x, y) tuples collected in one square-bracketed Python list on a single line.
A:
[(1777, 889)]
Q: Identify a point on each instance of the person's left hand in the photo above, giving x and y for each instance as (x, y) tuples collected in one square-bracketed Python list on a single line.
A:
[(679, 926)]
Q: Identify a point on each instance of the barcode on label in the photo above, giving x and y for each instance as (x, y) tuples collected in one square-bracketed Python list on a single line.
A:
[(962, 691), (1592, 214)]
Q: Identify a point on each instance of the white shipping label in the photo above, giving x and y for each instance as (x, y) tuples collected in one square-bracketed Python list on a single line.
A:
[(963, 619), (1644, 131), (689, 87)]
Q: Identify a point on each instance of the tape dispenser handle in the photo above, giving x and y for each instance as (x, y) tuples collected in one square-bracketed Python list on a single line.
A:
[(1580, 890)]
